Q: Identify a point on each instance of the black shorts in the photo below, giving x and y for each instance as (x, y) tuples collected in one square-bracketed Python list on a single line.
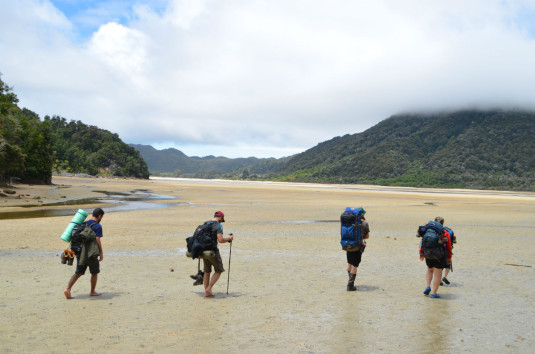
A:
[(94, 266), (436, 263), (354, 258)]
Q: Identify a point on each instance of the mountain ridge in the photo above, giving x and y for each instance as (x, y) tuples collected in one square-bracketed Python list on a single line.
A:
[(480, 149)]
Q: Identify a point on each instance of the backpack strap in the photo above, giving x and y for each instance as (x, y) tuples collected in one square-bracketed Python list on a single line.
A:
[(358, 222)]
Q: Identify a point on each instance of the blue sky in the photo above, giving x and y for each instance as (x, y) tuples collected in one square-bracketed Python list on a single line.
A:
[(262, 78), (88, 15)]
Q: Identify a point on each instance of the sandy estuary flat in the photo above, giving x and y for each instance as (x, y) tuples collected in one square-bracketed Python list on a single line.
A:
[(287, 289)]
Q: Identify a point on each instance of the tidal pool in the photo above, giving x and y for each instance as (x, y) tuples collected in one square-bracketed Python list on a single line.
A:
[(135, 200)]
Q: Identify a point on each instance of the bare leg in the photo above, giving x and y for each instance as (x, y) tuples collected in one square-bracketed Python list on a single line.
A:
[(206, 279), (208, 289), (437, 272), (206, 283), (446, 272), (353, 270), (73, 280), (429, 276), (94, 278)]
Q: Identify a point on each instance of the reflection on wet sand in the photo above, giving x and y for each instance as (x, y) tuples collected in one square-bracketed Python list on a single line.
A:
[(113, 202)]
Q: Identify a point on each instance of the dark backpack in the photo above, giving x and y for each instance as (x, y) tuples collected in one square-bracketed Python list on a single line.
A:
[(79, 234), (202, 240), (432, 240), (351, 239)]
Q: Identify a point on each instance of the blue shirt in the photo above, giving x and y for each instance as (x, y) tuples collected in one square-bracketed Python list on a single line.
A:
[(96, 227)]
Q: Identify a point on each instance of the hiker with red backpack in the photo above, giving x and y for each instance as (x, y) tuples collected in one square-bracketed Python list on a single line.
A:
[(451, 238), (435, 248)]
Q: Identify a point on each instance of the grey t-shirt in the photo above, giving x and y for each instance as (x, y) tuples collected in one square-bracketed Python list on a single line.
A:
[(217, 228)]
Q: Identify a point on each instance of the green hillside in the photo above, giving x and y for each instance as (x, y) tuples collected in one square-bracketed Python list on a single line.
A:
[(173, 162), (31, 149), (88, 149), (466, 149)]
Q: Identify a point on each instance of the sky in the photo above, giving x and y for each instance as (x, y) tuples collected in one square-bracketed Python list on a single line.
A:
[(241, 78)]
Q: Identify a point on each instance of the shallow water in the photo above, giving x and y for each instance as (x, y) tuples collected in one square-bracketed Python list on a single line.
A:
[(135, 200)]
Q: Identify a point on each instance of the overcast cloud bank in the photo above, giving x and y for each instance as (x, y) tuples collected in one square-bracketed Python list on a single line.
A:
[(262, 78)]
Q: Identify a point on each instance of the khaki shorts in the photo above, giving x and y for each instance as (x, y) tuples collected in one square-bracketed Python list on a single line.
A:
[(216, 262)]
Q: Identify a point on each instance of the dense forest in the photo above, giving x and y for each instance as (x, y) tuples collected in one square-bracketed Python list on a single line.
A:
[(88, 149), (32, 149), (465, 149), (25, 142)]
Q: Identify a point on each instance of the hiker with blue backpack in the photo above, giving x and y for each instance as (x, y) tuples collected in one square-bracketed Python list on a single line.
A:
[(435, 248), (354, 231)]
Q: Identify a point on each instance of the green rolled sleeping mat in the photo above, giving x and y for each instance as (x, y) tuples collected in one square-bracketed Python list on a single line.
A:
[(205, 255), (78, 219)]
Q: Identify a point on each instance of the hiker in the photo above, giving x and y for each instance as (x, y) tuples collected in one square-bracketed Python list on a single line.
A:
[(355, 230), (442, 255), (216, 261), (92, 263), (448, 233)]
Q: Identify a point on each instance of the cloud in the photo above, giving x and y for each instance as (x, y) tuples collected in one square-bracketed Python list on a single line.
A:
[(122, 49), (267, 78)]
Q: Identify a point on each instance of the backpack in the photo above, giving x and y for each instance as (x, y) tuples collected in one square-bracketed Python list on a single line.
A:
[(80, 233), (433, 240), (202, 240), (351, 239), (452, 236)]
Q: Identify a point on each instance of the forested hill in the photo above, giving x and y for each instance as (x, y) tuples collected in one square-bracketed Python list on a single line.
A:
[(85, 148), (173, 162), (465, 149), (32, 149)]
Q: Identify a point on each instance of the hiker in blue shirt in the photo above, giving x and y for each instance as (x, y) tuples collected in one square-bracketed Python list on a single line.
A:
[(93, 264)]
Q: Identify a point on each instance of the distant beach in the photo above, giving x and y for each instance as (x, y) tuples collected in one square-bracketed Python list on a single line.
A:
[(287, 290)]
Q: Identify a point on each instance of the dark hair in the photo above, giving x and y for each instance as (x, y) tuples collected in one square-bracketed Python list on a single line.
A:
[(98, 212)]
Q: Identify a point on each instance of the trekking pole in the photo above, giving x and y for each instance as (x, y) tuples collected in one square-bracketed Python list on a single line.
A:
[(229, 256)]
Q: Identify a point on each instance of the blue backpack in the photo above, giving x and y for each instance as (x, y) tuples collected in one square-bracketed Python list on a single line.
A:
[(350, 221)]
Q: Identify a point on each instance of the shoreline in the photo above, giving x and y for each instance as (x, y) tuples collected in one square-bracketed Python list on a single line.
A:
[(32, 197)]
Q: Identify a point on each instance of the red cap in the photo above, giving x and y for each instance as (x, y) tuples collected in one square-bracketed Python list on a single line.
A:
[(219, 214)]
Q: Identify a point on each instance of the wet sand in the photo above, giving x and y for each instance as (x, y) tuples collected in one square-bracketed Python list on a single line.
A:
[(287, 290)]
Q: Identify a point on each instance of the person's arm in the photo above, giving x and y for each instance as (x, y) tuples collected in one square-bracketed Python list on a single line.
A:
[(100, 249), (222, 239), (365, 229), (448, 249)]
